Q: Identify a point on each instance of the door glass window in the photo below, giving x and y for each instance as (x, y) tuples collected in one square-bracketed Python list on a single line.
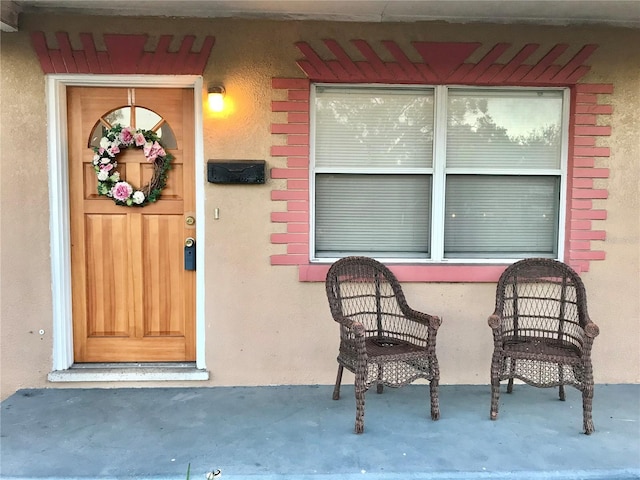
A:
[(139, 118)]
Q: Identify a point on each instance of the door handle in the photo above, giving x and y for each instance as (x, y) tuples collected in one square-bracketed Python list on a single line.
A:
[(190, 254)]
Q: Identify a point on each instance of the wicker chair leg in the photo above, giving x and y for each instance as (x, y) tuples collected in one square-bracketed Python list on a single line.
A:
[(360, 391), (495, 397), (380, 385), (561, 378), (435, 404), (587, 404), (336, 389), (512, 370)]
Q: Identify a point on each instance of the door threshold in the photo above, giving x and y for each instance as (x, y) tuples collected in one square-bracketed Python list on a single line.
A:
[(129, 372)]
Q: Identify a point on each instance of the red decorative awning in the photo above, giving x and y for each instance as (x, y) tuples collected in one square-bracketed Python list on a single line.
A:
[(124, 54), (446, 62)]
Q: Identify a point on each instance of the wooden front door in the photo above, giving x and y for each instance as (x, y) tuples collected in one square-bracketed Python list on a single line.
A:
[(133, 300)]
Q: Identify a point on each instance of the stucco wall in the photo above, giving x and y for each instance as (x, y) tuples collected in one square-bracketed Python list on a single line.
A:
[(263, 326)]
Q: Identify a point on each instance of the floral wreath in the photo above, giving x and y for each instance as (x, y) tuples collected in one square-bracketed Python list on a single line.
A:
[(123, 193)]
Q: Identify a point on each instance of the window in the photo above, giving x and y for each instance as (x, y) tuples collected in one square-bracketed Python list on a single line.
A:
[(438, 174)]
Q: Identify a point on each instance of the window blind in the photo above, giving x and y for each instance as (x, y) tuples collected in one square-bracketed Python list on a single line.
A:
[(385, 215), (507, 216), (374, 128)]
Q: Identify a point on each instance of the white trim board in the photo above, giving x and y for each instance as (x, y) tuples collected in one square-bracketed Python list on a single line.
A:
[(56, 98)]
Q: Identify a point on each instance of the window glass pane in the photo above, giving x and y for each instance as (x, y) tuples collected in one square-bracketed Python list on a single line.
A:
[(96, 135), (374, 127), (504, 129), (121, 116), (146, 119), (167, 137), (488, 216), (379, 215)]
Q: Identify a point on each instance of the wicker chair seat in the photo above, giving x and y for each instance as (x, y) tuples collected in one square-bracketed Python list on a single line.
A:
[(532, 348), (391, 350)]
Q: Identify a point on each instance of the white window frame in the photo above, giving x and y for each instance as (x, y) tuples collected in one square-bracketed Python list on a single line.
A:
[(439, 173)]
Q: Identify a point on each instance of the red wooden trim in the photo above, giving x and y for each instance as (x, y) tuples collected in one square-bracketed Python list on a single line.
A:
[(547, 60), (289, 259), (124, 54), (584, 162), (297, 140), (298, 162), (278, 106), (587, 255), (590, 98), (297, 227), (347, 64), (39, 44), (589, 235), (594, 88), (297, 248), (289, 238), (584, 141), (286, 150), (289, 195), (280, 217), (595, 131), (298, 117), (289, 128), (66, 52), (403, 61), (585, 119), (483, 65), (290, 83), (515, 62), (590, 193)]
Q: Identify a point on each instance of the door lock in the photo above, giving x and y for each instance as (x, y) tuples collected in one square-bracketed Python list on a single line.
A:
[(190, 254)]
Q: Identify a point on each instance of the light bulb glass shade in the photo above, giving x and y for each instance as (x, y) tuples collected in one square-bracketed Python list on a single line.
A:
[(215, 96)]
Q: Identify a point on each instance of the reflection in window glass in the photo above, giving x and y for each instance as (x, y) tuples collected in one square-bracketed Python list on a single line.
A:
[(146, 119), (121, 116), (504, 129), (167, 136)]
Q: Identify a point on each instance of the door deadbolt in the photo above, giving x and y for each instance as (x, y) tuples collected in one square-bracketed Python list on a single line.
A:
[(190, 220)]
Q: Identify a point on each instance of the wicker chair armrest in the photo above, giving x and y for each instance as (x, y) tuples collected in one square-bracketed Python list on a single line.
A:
[(356, 326), (422, 318), (494, 321), (591, 330)]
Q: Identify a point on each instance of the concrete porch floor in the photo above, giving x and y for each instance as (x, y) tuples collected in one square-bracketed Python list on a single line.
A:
[(299, 432)]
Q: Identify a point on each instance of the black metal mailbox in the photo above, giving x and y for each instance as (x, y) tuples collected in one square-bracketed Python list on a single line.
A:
[(236, 171)]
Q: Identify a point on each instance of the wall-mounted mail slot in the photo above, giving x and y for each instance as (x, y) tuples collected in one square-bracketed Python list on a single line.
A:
[(236, 171)]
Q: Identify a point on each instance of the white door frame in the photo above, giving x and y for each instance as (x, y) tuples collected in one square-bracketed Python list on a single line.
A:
[(56, 98)]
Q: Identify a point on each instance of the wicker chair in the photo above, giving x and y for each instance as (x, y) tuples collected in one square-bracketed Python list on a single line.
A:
[(542, 332), (382, 340)]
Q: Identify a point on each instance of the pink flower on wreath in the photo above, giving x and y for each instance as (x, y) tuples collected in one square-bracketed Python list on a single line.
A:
[(126, 136), (106, 167), (138, 137), (114, 150), (153, 151), (121, 191)]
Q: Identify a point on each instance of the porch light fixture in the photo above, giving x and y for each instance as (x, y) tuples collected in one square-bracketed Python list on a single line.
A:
[(215, 96)]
